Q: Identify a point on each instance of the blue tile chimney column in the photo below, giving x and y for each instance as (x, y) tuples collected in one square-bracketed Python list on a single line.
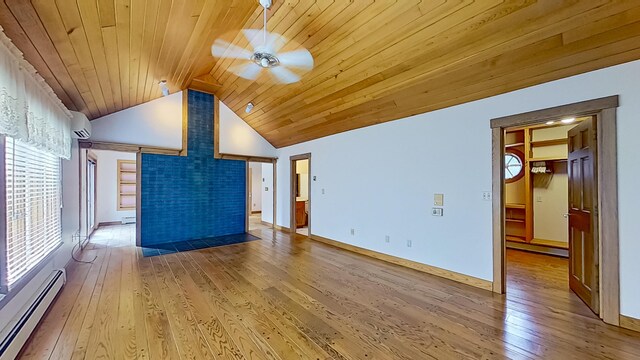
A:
[(194, 196)]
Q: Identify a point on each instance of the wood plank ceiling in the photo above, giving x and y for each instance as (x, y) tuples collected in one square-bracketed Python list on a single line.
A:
[(376, 61)]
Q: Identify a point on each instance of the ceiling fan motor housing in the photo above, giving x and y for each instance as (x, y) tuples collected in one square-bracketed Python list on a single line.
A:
[(265, 60)]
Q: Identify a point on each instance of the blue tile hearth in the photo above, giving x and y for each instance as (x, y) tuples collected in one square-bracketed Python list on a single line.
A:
[(174, 247)]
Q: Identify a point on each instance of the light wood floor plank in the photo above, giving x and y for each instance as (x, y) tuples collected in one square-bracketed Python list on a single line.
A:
[(285, 297)]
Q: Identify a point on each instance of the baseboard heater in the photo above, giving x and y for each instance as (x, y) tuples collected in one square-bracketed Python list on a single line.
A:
[(27, 320), (128, 220)]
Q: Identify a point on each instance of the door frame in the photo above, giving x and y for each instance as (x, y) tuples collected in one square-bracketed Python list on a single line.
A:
[(132, 148), (292, 191), (604, 109), (91, 157), (248, 190)]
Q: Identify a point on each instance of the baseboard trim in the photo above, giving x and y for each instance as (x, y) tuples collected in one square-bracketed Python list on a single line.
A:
[(256, 212), (283, 228), (630, 323), (266, 223), (432, 270), (109, 223)]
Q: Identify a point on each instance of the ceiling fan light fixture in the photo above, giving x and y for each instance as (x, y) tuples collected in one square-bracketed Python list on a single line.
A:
[(265, 60)]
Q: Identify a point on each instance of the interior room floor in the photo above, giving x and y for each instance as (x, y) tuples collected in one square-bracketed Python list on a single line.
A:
[(303, 231), (288, 297), (531, 276), (255, 222)]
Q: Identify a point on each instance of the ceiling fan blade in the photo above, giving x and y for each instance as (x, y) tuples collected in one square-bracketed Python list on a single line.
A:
[(298, 58), (283, 75), (221, 48), (249, 70), (275, 42), (255, 38)]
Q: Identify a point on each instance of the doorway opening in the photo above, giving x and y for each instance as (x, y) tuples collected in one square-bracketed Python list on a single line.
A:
[(554, 205), (260, 196), (110, 189), (301, 194), (92, 174), (550, 188)]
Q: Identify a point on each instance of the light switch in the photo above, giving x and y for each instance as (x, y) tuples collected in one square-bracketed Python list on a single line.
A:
[(437, 212), (438, 199)]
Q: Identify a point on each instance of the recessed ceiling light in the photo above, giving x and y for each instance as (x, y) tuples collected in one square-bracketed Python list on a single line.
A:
[(568, 120), (248, 108), (550, 122)]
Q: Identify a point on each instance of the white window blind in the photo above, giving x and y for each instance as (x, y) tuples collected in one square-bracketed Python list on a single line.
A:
[(33, 198)]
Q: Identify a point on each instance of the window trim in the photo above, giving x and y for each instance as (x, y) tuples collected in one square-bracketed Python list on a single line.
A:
[(26, 278)]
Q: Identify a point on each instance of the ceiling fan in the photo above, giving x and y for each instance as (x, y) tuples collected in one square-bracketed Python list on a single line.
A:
[(264, 55)]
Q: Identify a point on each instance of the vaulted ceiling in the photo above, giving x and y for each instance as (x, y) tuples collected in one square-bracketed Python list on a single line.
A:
[(375, 60)]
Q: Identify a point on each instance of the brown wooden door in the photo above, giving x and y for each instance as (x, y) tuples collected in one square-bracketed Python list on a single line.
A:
[(583, 223)]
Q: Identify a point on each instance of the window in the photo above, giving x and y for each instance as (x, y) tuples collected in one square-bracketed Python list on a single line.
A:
[(126, 184), (513, 165), (32, 209)]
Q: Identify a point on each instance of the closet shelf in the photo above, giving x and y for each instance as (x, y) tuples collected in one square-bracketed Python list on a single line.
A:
[(515, 238), (548, 159), (514, 206), (549, 142), (515, 220), (514, 145), (550, 243)]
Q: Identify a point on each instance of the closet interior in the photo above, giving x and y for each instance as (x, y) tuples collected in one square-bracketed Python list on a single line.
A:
[(536, 189)]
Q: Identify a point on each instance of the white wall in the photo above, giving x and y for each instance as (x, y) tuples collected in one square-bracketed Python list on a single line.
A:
[(238, 138), (70, 225), (302, 168), (155, 123), (107, 186), (159, 123), (377, 178), (256, 186), (267, 193), (550, 203)]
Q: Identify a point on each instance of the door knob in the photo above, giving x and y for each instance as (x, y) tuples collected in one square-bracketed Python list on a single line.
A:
[(566, 216)]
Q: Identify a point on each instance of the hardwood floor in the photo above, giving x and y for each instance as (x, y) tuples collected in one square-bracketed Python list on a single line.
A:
[(285, 297), (255, 223)]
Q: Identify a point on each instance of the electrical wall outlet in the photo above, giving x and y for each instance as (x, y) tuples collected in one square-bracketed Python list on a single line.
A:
[(386, 239), (353, 231), (437, 212), (409, 243), (486, 195), (266, 188)]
